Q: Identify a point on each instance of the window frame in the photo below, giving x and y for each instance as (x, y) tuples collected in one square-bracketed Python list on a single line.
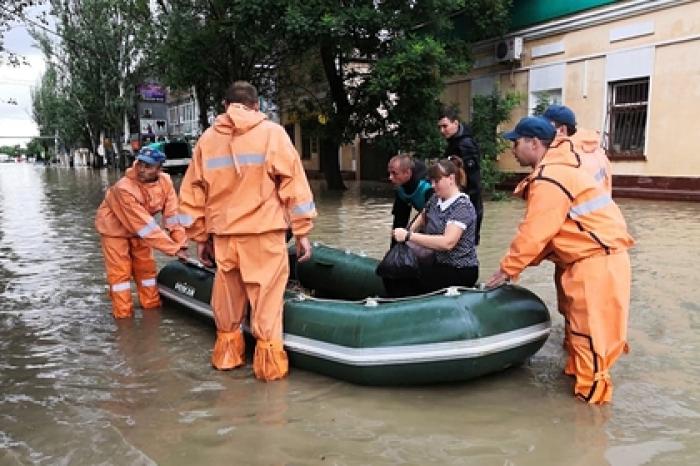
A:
[(615, 109)]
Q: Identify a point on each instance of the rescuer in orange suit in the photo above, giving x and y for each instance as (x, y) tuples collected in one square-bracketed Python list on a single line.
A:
[(594, 161), (243, 189), (576, 221), (128, 231)]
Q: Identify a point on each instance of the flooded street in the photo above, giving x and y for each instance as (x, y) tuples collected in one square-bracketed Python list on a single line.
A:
[(78, 387)]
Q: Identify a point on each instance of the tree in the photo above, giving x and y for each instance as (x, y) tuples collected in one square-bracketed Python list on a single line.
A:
[(489, 112), (209, 44), (36, 148), (95, 66), (384, 65), (12, 12), (54, 112)]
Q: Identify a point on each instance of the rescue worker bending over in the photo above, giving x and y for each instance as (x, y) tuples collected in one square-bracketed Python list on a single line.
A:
[(244, 187), (574, 221), (128, 231), (596, 163), (409, 177)]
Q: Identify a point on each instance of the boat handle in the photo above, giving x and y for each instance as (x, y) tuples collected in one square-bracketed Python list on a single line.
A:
[(199, 265)]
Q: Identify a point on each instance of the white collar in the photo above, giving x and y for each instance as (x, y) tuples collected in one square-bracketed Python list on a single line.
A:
[(448, 202)]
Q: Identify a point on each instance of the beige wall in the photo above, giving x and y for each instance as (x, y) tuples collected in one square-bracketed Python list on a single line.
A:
[(674, 85), (458, 93)]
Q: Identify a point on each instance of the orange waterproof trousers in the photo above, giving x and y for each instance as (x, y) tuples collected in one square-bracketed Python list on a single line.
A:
[(563, 307), (254, 269), (598, 293), (124, 258)]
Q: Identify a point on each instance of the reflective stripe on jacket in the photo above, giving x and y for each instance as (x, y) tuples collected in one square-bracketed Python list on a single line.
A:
[(128, 209), (568, 215), (245, 178)]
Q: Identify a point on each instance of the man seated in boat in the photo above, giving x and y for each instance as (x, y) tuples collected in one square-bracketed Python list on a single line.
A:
[(447, 226)]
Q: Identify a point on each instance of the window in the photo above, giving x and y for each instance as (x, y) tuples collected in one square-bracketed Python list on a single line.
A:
[(627, 117), (189, 111), (540, 100), (172, 115)]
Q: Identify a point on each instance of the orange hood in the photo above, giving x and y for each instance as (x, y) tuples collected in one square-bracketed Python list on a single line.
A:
[(238, 119), (587, 139), (561, 152)]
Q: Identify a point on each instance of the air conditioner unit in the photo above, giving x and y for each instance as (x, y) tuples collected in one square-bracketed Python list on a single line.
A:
[(509, 49)]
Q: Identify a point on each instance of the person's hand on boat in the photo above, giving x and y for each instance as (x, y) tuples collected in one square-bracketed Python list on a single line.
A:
[(303, 248), (400, 234), (497, 279), (205, 253)]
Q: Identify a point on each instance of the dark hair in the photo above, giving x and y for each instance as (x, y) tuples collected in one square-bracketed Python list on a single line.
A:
[(450, 112), (570, 130), (452, 165), (241, 92)]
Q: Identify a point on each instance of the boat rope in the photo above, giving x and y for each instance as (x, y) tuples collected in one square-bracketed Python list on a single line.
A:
[(374, 301)]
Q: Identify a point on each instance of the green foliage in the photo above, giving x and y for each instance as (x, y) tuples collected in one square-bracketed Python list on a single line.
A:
[(489, 112), (14, 12), (93, 69), (53, 110), (36, 147), (385, 64), (211, 43), (414, 73), (12, 151), (543, 101)]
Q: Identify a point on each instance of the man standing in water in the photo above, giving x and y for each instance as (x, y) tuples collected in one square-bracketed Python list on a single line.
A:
[(460, 142), (128, 231), (594, 161), (244, 187), (575, 222)]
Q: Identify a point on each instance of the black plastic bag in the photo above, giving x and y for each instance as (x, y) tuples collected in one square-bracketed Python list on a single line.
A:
[(399, 262)]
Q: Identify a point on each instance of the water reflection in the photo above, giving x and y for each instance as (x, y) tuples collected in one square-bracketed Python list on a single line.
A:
[(78, 387)]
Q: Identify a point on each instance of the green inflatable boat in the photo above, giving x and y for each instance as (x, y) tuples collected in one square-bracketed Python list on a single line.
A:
[(341, 327)]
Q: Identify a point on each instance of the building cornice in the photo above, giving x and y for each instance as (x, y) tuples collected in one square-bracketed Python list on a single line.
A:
[(586, 19)]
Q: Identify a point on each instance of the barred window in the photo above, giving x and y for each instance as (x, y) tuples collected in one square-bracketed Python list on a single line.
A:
[(627, 116)]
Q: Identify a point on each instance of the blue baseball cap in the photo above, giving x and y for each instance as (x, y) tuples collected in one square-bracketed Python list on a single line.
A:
[(151, 156), (532, 127), (560, 114)]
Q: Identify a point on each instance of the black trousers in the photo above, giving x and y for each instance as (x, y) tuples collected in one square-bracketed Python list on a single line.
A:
[(433, 278)]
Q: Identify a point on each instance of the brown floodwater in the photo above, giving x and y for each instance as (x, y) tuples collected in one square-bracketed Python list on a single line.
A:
[(78, 387)]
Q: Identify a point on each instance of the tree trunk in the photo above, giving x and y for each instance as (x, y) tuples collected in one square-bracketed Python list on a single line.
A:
[(329, 148), (202, 97), (330, 165)]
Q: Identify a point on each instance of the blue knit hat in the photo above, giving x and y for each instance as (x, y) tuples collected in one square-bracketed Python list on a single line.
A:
[(151, 156), (560, 114), (532, 127)]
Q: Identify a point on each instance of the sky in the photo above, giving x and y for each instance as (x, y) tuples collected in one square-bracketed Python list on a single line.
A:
[(16, 83)]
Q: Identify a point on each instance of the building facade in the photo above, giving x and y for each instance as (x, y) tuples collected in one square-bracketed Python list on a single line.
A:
[(626, 68)]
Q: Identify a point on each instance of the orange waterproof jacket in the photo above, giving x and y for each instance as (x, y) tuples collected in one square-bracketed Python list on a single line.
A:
[(593, 157), (128, 209), (569, 216), (245, 178)]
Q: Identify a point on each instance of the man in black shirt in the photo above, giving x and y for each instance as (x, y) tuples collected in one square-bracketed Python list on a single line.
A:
[(460, 142)]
